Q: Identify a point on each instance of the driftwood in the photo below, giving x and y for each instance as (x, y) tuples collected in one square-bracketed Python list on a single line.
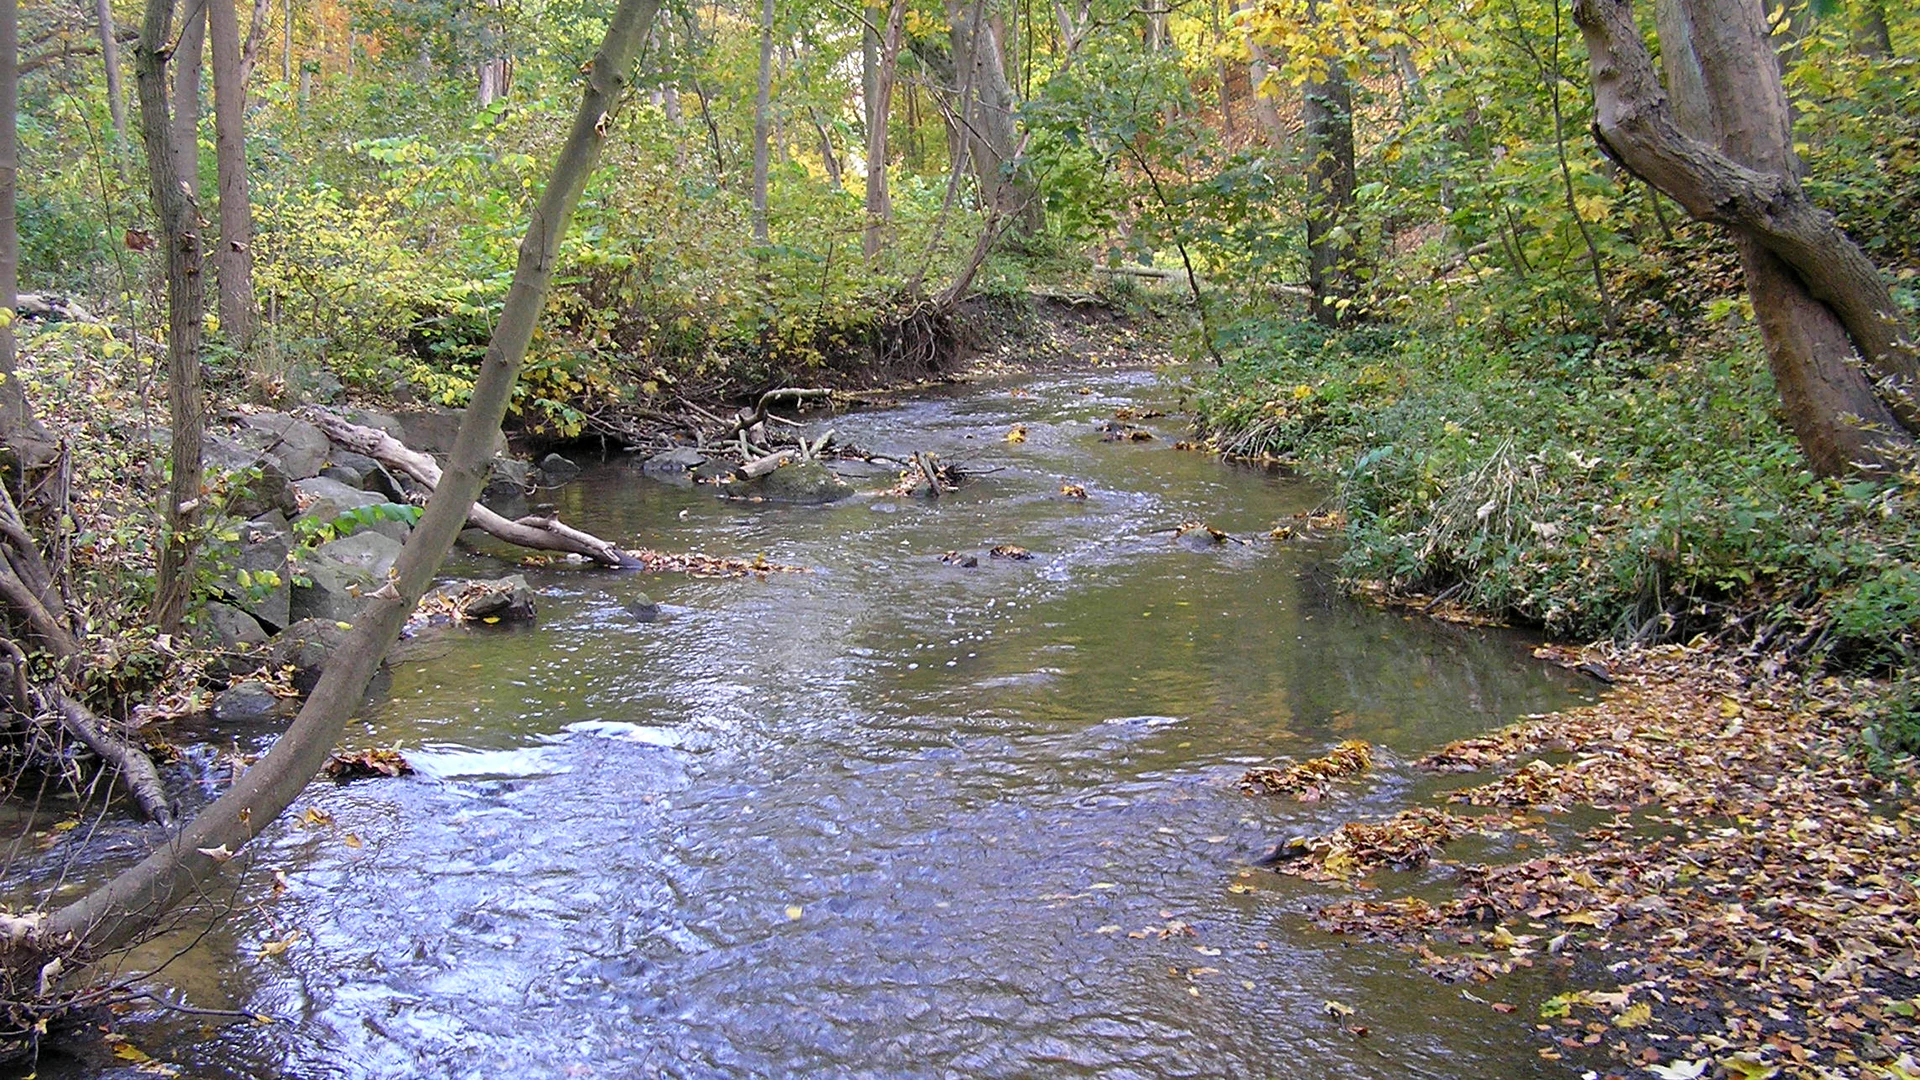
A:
[(539, 533), (759, 467), (747, 419)]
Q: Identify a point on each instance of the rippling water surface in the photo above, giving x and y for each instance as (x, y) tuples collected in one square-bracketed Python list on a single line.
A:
[(890, 818)]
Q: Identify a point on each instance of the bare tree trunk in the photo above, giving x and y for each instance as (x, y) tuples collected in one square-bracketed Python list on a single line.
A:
[(286, 54), (133, 902), (1326, 108), (762, 114), (879, 110), (116, 92), (186, 57), (20, 431), (233, 258), (1821, 304), (179, 219)]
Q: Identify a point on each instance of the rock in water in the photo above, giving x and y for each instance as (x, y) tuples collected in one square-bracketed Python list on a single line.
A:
[(643, 608), (799, 482)]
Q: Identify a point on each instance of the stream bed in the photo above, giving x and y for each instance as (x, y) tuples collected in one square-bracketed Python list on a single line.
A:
[(889, 818)]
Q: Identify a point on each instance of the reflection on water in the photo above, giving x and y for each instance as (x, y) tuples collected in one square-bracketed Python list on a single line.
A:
[(889, 818)]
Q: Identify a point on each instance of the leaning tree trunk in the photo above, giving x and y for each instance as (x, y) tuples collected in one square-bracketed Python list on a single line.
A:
[(134, 901), (988, 128), (1839, 349), (233, 259), (179, 221)]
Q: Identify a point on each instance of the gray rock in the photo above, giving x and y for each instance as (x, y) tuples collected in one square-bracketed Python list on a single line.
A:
[(556, 470), (378, 421), (855, 469), (264, 544), (368, 551), (507, 482), (673, 462), (800, 482), (228, 627), (508, 599), (251, 702), (301, 447), (712, 471), (339, 574), (328, 499), (305, 647), (643, 608), (433, 430), (270, 490), (374, 476), (353, 478)]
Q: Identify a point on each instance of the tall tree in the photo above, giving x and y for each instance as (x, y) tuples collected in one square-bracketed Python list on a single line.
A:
[(1841, 353), (110, 60), (1326, 111), (130, 904), (879, 109), (762, 116), (987, 120), (179, 221), (186, 58), (233, 259)]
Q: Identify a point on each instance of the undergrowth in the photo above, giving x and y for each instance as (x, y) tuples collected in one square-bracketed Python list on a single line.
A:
[(1598, 485)]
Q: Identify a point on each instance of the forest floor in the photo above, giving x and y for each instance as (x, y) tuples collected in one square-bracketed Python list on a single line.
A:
[(1746, 904)]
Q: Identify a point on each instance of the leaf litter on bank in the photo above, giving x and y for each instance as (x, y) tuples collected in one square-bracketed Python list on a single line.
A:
[(1748, 896), (1307, 780)]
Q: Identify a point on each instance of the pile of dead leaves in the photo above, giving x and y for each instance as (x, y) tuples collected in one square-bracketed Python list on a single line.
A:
[(1405, 841), (363, 764), (1749, 896), (1307, 780)]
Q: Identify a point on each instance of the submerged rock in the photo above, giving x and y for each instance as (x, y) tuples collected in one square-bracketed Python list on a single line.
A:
[(674, 462), (556, 470)]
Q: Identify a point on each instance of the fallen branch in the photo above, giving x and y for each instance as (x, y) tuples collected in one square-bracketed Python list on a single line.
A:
[(135, 768), (759, 467), (539, 533)]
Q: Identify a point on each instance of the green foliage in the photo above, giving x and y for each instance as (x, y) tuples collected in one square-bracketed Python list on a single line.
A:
[(312, 532)]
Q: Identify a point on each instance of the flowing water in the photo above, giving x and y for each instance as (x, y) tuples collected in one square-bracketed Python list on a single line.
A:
[(890, 818)]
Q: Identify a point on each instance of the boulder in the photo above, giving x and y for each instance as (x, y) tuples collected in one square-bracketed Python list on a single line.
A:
[(680, 459), (433, 431), (556, 471), (327, 499), (643, 608), (228, 627), (251, 702), (712, 471), (271, 490), (301, 448), (805, 482), (339, 574), (507, 482), (378, 421), (265, 543), (507, 599), (304, 647)]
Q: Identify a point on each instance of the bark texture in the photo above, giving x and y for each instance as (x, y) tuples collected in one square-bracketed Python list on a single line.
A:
[(762, 117), (1843, 356), (233, 259), (886, 63), (987, 121), (134, 901), (179, 221), (1326, 108)]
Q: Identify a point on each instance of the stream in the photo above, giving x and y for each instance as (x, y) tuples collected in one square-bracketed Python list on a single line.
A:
[(889, 818)]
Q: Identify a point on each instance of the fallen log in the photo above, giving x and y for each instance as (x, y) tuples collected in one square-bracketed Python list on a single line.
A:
[(539, 533), (135, 767)]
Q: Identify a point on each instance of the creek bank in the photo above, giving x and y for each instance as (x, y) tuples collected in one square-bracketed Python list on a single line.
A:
[(1746, 906)]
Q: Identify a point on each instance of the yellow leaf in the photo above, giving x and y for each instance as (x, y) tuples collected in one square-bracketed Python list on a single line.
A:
[(316, 816), (795, 911), (130, 1052), (353, 841), (1637, 1015)]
